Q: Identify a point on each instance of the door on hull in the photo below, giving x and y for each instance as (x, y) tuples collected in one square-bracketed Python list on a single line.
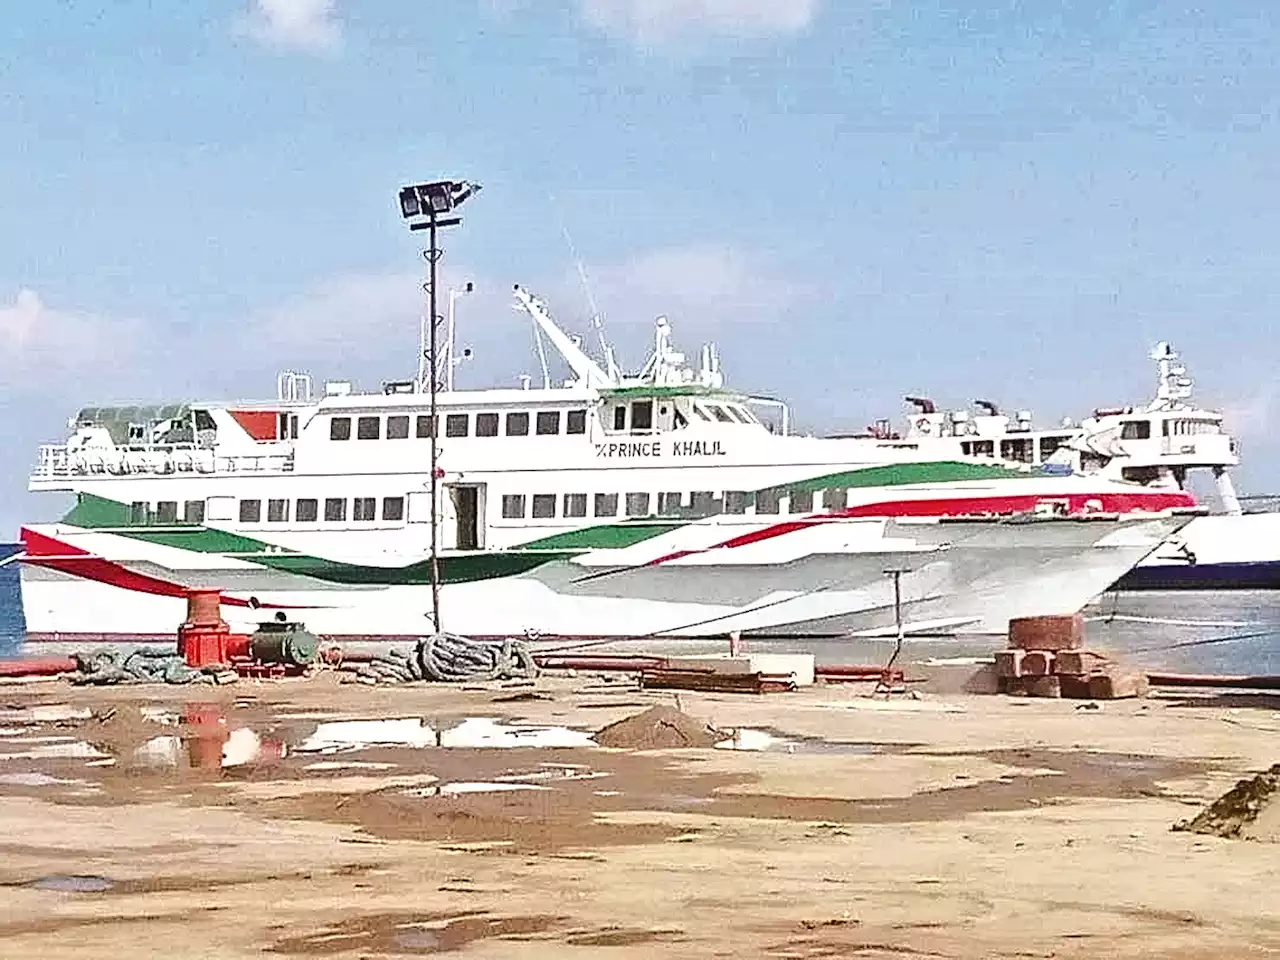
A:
[(467, 501)]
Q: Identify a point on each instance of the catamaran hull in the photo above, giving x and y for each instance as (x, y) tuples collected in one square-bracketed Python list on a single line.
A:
[(1214, 553), (963, 577)]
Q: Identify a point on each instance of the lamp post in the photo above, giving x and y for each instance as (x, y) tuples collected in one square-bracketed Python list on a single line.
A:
[(431, 206), (454, 296)]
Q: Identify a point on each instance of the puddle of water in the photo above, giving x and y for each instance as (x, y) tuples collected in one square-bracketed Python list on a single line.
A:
[(33, 779), (748, 739), (76, 750), (454, 789), (348, 765), (552, 771), (478, 732), (159, 753), (471, 733), (169, 718), (72, 883), (357, 734), (49, 713)]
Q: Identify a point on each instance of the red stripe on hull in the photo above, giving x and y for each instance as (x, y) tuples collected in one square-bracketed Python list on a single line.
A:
[(45, 551), (1078, 504)]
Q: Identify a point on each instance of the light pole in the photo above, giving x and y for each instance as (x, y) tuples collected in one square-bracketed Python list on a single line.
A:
[(454, 296), (430, 206)]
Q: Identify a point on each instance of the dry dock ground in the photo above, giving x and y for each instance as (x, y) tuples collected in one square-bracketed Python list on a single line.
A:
[(949, 826)]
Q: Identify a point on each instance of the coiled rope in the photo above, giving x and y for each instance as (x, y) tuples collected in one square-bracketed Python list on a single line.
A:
[(131, 664), (449, 658)]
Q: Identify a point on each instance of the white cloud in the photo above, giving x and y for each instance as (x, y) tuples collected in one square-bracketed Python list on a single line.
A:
[(300, 24), (37, 341), (657, 22), (700, 284)]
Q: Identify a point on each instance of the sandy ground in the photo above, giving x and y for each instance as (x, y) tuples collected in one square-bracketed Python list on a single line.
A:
[(950, 826)]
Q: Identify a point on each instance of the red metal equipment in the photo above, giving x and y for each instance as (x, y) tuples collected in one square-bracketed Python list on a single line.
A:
[(203, 638)]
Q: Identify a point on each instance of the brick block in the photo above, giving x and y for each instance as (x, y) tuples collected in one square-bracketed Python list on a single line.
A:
[(1079, 662), (1118, 685), (1009, 663), (1037, 663), (1047, 686), (1047, 633), (1074, 687), (1030, 686)]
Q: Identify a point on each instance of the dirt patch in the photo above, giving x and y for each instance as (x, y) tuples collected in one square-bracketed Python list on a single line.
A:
[(401, 934), (1250, 811), (659, 728), (620, 937)]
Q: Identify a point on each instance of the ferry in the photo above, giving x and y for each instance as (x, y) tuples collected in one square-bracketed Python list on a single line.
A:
[(1161, 444), (659, 504)]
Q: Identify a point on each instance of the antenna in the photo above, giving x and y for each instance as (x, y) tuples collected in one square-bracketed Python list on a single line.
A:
[(597, 324)]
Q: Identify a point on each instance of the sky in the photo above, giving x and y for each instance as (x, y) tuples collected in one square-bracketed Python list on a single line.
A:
[(856, 200)]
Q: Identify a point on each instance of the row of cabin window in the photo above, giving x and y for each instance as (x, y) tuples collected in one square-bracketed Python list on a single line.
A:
[(546, 423), (307, 510), (700, 503), (304, 510)]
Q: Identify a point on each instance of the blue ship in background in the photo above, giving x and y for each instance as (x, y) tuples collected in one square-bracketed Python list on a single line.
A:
[(12, 625)]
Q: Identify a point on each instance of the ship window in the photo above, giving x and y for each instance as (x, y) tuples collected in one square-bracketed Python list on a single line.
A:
[(800, 501), (455, 425), (513, 506), (1049, 446), (339, 428), (307, 510), (620, 417), (735, 501), (1141, 474), (544, 506), (517, 424), (277, 511), (769, 501), (393, 508), (364, 508), (835, 499), (204, 421), (167, 511), (642, 416), (637, 504), (335, 509), (575, 421), (193, 511), (606, 505), (486, 424), (1019, 450), (680, 420), (669, 504), (702, 414), (369, 428), (250, 511), (738, 414), (575, 505), (397, 428), (548, 423), (703, 503), (1135, 430), (424, 428), (718, 412)]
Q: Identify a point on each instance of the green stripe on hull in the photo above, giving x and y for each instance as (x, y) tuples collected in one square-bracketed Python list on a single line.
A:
[(205, 540), (608, 536), (904, 474), (466, 568)]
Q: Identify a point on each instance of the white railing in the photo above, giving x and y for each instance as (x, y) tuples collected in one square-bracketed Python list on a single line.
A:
[(56, 461)]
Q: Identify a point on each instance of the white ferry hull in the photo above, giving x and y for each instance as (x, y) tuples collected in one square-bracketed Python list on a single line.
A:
[(966, 577), (1215, 553)]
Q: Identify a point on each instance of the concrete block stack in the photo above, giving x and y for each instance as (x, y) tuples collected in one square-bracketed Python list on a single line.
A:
[(1046, 657)]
